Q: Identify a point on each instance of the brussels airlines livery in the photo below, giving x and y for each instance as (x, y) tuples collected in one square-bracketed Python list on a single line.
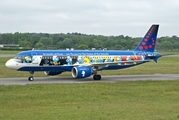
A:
[(84, 63)]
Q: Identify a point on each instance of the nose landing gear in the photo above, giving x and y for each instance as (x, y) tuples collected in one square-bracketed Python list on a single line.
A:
[(31, 78)]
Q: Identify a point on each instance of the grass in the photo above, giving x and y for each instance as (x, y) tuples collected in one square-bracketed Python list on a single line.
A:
[(138, 100), (165, 65), (8, 52)]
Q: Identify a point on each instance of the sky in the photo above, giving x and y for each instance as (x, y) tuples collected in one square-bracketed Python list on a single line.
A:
[(97, 17)]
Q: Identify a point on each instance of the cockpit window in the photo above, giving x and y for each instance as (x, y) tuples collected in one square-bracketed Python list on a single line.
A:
[(18, 57)]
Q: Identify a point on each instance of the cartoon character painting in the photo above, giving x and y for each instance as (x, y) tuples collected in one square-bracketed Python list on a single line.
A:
[(28, 59), (86, 60), (119, 59), (55, 61), (128, 58), (92, 60), (110, 59), (80, 60), (142, 58), (100, 60), (69, 60)]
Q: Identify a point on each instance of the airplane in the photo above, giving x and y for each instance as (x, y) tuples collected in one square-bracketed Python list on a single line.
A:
[(84, 63)]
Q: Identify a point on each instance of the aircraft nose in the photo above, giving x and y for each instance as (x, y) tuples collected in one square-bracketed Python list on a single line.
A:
[(11, 64)]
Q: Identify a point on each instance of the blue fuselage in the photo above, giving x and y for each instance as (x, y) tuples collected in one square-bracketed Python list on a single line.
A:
[(64, 60)]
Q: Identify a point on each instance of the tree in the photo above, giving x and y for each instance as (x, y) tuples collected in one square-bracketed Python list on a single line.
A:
[(166, 45), (26, 44), (67, 43), (96, 43), (35, 39), (82, 41), (0, 38), (47, 42), (39, 45), (82, 47)]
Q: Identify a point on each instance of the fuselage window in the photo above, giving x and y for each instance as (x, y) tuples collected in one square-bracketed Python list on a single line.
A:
[(27, 59)]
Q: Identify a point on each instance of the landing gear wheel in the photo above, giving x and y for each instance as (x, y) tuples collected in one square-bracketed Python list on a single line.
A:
[(31, 78), (97, 77)]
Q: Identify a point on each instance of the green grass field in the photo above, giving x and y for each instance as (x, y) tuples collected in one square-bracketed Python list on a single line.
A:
[(140, 100), (8, 52)]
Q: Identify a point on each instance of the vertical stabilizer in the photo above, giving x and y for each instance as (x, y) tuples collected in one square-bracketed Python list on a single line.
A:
[(149, 40)]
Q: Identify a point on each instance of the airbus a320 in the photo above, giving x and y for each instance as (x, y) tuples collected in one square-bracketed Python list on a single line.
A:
[(84, 63)]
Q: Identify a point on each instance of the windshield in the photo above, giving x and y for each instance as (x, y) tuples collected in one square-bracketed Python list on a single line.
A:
[(18, 57)]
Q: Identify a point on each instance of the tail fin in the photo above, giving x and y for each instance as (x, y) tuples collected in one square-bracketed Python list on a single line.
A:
[(149, 40)]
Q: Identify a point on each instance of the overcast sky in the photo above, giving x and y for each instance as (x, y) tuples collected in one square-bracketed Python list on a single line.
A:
[(98, 17)]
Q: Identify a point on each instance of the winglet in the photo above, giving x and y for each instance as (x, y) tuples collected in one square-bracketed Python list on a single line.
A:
[(149, 40)]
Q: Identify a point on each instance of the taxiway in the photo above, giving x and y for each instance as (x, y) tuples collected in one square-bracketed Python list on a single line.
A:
[(69, 79)]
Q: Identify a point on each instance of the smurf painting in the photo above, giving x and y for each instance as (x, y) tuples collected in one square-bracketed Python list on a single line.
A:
[(28, 59), (69, 60), (92, 60), (80, 60), (119, 59), (110, 59), (128, 58), (101, 60), (55, 61)]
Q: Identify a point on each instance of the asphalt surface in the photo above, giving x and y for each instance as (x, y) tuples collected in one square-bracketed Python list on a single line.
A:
[(65, 80)]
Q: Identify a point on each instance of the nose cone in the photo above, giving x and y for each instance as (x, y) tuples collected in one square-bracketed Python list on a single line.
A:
[(12, 64)]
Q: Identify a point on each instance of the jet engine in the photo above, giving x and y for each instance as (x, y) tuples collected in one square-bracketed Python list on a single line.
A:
[(52, 73), (81, 71)]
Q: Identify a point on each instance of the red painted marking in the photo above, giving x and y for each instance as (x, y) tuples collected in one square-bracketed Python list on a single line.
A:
[(146, 47), (140, 48), (123, 58), (138, 57), (147, 36), (145, 39), (150, 46), (153, 41), (143, 43), (133, 58)]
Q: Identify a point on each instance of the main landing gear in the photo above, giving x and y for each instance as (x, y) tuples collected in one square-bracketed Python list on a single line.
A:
[(31, 78), (97, 77)]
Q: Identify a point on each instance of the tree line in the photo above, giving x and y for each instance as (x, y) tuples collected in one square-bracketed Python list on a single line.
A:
[(83, 41)]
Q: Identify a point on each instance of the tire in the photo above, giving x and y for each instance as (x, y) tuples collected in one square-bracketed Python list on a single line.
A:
[(31, 79), (97, 77)]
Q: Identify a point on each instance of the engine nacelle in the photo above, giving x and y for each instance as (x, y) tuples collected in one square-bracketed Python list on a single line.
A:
[(52, 73), (81, 71)]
